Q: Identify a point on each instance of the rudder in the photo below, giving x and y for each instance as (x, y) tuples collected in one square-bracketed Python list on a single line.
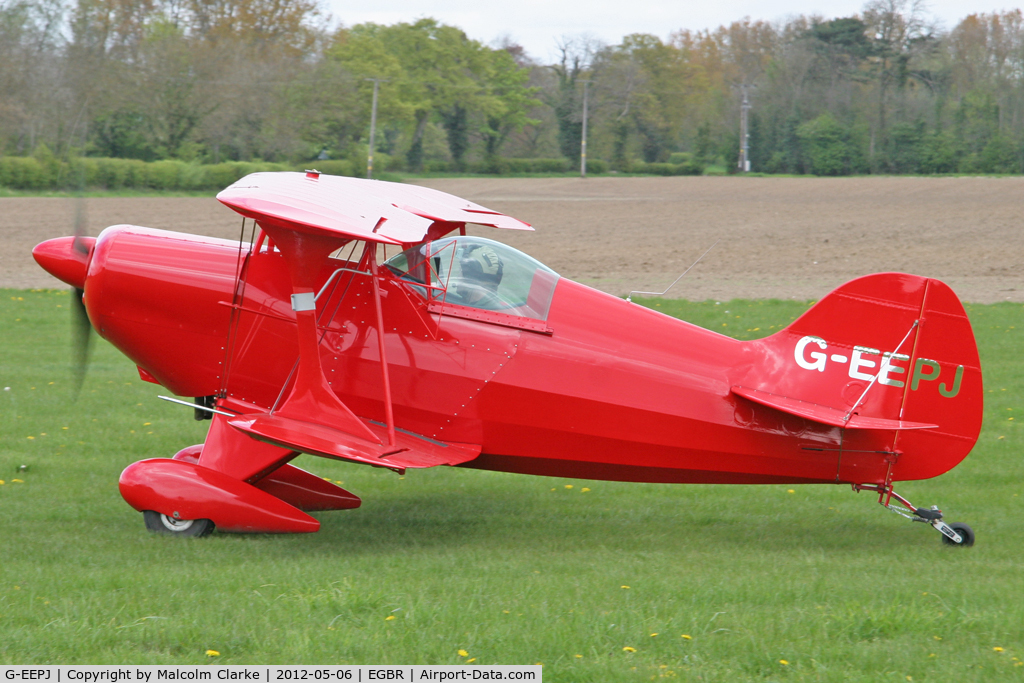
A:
[(906, 337)]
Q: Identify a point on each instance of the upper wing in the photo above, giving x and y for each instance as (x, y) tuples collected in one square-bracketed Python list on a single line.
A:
[(372, 210)]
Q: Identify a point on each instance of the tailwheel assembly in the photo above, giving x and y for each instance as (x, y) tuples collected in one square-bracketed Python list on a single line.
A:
[(956, 534)]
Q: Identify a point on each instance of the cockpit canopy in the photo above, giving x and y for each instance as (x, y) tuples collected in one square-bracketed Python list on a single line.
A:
[(479, 273)]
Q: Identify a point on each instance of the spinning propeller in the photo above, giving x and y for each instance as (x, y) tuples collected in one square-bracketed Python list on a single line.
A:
[(67, 259), (81, 328)]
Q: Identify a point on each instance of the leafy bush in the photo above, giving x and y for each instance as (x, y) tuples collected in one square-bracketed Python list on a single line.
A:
[(688, 168), (225, 173), (825, 145), (518, 166), (905, 146), (435, 166), (938, 154), (22, 173), (115, 174), (164, 175), (539, 165), (494, 166), (549, 165), (1000, 155)]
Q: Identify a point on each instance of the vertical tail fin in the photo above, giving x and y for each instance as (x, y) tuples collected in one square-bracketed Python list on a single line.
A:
[(890, 358)]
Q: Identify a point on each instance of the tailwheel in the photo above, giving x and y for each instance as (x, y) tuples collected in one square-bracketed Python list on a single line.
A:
[(163, 524), (964, 532), (956, 534)]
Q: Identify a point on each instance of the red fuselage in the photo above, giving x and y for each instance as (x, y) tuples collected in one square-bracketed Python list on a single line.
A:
[(602, 388)]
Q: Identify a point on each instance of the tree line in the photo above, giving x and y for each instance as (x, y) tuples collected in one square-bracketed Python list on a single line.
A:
[(217, 81)]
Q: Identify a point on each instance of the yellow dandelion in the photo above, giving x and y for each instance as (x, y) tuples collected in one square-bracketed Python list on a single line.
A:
[(578, 656), (463, 653), (783, 662), (932, 655), (629, 649), (568, 486), (937, 637), (584, 489), (997, 649), (790, 491), (686, 636), (30, 438), (146, 424), (471, 660), (910, 678), (17, 481), (390, 617), (212, 653), (653, 635)]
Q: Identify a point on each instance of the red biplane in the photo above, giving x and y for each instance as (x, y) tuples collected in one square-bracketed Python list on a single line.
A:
[(458, 350)]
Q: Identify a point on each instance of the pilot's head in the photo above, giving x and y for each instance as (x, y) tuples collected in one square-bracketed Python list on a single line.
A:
[(481, 264)]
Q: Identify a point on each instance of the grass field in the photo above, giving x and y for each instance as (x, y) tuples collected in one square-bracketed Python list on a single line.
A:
[(598, 581)]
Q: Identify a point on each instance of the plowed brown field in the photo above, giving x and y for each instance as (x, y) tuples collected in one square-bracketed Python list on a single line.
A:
[(778, 237)]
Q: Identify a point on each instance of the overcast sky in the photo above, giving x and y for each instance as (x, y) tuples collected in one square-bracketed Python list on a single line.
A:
[(537, 24)]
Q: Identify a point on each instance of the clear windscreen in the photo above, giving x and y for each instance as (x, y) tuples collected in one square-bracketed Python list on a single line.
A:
[(479, 273)]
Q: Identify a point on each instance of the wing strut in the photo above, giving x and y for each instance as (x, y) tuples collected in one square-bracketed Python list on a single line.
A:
[(311, 395), (371, 257)]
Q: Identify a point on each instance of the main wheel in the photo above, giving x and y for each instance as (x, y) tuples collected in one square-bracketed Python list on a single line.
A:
[(965, 532), (162, 524)]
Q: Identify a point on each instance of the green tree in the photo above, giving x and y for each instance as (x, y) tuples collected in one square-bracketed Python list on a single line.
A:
[(825, 144), (508, 79), (435, 72), (566, 98)]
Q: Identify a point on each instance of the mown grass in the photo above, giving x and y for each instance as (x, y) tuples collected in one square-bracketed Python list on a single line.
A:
[(705, 583)]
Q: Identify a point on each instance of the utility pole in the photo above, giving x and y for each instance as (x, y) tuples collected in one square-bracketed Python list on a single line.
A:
[(373, 128), (583, 143), (744, 162)]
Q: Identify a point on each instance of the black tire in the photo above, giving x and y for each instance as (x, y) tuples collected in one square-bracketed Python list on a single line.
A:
[(183, 528), (965, 532)]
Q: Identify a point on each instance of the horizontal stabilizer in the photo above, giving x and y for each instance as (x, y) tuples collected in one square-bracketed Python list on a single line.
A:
[(824, 414), (410, 450)]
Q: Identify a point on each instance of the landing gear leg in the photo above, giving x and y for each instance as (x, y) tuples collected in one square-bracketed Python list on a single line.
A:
[(952, 534)]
